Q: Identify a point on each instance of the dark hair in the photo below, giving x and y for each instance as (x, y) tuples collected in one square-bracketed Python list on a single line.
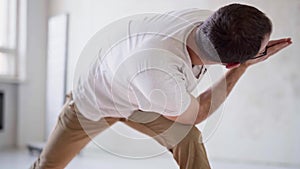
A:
[(236, 31)]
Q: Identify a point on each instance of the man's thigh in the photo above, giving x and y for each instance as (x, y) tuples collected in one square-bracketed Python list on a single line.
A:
[(165, 131)]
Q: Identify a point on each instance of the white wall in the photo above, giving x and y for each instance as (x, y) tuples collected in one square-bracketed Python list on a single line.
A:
[(261, 118)]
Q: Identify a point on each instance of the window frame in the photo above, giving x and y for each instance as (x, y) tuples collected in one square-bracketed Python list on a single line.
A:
[(12, 50)]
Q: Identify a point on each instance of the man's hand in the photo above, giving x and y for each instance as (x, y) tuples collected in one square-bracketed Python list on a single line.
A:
[(273, 46)]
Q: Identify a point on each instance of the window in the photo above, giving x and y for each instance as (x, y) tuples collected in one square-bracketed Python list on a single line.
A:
[(8, 38)]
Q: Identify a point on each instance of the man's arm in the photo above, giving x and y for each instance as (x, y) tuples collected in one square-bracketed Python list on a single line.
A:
[(212, 98), (200, 108), (209, 100)]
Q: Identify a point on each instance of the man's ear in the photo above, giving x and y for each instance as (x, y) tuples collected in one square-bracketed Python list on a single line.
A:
[(232, 65)]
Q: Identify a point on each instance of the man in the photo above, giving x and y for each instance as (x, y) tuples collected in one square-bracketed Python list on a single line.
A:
[(146, 80)]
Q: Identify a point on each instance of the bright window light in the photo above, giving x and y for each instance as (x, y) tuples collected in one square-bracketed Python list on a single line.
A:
[(8, 22)]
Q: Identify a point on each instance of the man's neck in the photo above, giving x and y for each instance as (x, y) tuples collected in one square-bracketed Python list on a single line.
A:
[(193, 50)]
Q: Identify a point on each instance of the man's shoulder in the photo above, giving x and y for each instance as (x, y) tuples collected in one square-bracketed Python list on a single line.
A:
[(190, 13)]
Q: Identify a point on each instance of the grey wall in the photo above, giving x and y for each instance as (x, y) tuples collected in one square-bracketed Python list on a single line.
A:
[(31, 96), (8, 135), (261, 117), (25, 99)]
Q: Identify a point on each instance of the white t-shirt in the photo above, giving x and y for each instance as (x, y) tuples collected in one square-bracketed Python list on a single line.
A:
[(149, 70)]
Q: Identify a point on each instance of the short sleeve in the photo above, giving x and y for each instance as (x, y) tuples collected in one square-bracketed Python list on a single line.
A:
[(161, 91)]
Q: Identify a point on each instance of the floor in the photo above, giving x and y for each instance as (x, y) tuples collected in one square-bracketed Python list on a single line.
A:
[(20, 159)]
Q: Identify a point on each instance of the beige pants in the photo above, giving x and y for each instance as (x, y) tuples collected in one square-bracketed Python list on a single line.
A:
[(73, 131)]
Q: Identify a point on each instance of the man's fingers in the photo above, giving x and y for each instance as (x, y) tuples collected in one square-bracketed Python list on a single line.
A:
[(274, 47), (274, 42)]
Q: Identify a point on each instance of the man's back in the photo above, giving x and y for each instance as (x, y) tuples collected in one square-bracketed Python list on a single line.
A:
[(111, 86)]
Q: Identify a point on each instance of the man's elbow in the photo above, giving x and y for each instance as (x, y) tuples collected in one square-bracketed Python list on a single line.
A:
[(198, 121), (202, 115)]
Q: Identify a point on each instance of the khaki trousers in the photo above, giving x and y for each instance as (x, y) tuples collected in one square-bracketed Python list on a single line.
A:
[(73, 131)]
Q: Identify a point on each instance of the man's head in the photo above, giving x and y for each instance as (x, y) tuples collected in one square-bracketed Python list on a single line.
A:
[(237, 32)]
